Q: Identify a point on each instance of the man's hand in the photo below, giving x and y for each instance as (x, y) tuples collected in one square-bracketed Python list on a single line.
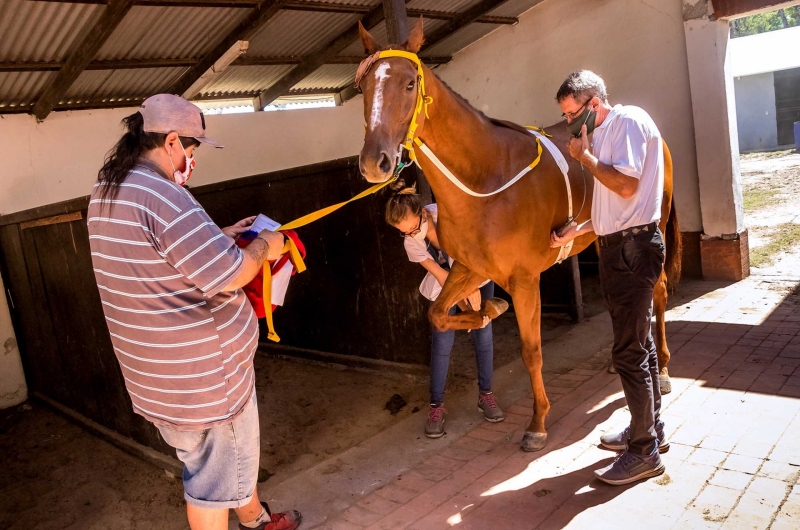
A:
[(239, 228), (559, 238), (275, 241), (579, 147)]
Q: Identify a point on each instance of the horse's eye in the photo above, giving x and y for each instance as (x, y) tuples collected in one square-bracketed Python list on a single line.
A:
[(410, 86)]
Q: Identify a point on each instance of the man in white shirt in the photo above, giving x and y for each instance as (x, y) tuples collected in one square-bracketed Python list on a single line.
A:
[(621, 146)]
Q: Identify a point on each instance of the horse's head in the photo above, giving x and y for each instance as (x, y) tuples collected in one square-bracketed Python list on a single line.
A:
[(389, 86)]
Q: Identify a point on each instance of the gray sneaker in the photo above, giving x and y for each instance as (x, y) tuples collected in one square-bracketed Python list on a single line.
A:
[(488, 405), (629, 467), (619, 441), (434, 427)]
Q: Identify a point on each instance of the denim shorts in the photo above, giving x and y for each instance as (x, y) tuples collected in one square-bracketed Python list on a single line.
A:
[(221, 463)]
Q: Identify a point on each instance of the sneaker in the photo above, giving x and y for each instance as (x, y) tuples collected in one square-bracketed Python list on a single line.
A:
[(629, 467), (434, 427), (488, 405), (619, 441), (279, 521)]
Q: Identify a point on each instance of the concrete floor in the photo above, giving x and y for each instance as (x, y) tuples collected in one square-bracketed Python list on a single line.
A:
[(732, 418)]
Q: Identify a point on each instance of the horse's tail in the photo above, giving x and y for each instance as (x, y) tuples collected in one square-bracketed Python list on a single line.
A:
[(674, 248)]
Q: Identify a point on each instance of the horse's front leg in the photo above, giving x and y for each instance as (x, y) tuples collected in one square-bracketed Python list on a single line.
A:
[(528, 307), (660, 307), (461, 282)]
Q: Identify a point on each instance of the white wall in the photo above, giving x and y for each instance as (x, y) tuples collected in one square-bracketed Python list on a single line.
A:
[(756, 120), (58, 159), (637, 46)]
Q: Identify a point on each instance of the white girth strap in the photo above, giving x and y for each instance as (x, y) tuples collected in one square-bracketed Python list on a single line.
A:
[(563, 252), (541, 139), (452, 178)]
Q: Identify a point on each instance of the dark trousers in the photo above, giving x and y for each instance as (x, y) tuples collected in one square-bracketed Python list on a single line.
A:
[(629, 270)]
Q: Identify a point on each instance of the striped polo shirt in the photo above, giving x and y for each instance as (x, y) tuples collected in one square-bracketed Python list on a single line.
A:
[(184, 345)]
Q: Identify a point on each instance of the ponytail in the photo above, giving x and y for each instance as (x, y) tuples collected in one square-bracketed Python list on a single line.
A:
[(404, 201)]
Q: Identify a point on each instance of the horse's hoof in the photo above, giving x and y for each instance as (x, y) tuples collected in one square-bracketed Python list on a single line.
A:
[(494, 307), (611, 368), (665, 384), (533, 441)]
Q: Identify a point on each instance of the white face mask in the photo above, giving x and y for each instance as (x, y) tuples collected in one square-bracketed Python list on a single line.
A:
[(423, 230), (182, 176)]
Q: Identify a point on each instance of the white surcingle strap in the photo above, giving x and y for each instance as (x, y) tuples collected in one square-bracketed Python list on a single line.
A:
[(563, 252)]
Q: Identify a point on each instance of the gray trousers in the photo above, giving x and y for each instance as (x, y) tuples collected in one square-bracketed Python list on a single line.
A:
[(629, 270)]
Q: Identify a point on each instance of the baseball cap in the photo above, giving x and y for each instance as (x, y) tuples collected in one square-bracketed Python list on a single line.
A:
[(165, 113)]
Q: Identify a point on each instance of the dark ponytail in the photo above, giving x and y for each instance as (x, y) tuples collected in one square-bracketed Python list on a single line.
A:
[(121, 159), (404, 201)]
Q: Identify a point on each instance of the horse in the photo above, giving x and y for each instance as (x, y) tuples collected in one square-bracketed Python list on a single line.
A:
[(504, 237)]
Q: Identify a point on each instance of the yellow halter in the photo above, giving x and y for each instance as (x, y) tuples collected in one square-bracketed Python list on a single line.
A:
[(423, 100)]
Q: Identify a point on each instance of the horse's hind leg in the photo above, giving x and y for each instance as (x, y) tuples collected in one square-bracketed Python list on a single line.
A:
[(528, 307), (660, 307), (461, 282)]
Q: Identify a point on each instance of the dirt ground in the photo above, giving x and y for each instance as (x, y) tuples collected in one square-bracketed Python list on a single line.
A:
[(771, 187), (57, 476)]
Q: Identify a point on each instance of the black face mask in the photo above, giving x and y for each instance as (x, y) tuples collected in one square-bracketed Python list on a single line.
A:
[(587, 117)]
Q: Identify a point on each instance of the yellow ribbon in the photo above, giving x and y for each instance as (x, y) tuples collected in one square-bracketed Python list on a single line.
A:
[(294, 252)]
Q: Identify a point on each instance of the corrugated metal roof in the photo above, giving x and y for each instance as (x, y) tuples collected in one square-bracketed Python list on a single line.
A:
[(22, 88), (246, 79), (460, 39), (379, 32), (37, 31), (330, 76), (170, 32), (102, 85), (42, 31), (299, 32), (351, 2), (452, 6), (514, 8)]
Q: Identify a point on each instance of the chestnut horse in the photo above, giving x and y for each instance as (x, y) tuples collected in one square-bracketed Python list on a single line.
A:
[(506, 236)]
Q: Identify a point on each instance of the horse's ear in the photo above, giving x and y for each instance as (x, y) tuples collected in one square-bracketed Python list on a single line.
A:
[(370, 44), (415, 38)]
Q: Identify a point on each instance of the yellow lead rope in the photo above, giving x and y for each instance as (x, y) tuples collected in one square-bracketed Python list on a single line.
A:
[(294, 252)]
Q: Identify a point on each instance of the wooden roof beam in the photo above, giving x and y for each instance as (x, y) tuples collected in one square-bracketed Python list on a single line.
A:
[(262, 14), (469, 16), (317, 59), (299, 5), (132, 64), (81, 55)]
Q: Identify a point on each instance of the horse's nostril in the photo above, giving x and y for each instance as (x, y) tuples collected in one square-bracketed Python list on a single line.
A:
[(385, 164)]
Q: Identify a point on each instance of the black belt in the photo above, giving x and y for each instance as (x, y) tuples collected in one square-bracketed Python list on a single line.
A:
[(617, 237)]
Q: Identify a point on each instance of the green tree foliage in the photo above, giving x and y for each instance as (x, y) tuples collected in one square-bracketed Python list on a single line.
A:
[(782, 18)]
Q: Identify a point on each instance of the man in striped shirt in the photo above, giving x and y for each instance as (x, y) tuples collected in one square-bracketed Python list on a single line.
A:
[(182, 329)]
